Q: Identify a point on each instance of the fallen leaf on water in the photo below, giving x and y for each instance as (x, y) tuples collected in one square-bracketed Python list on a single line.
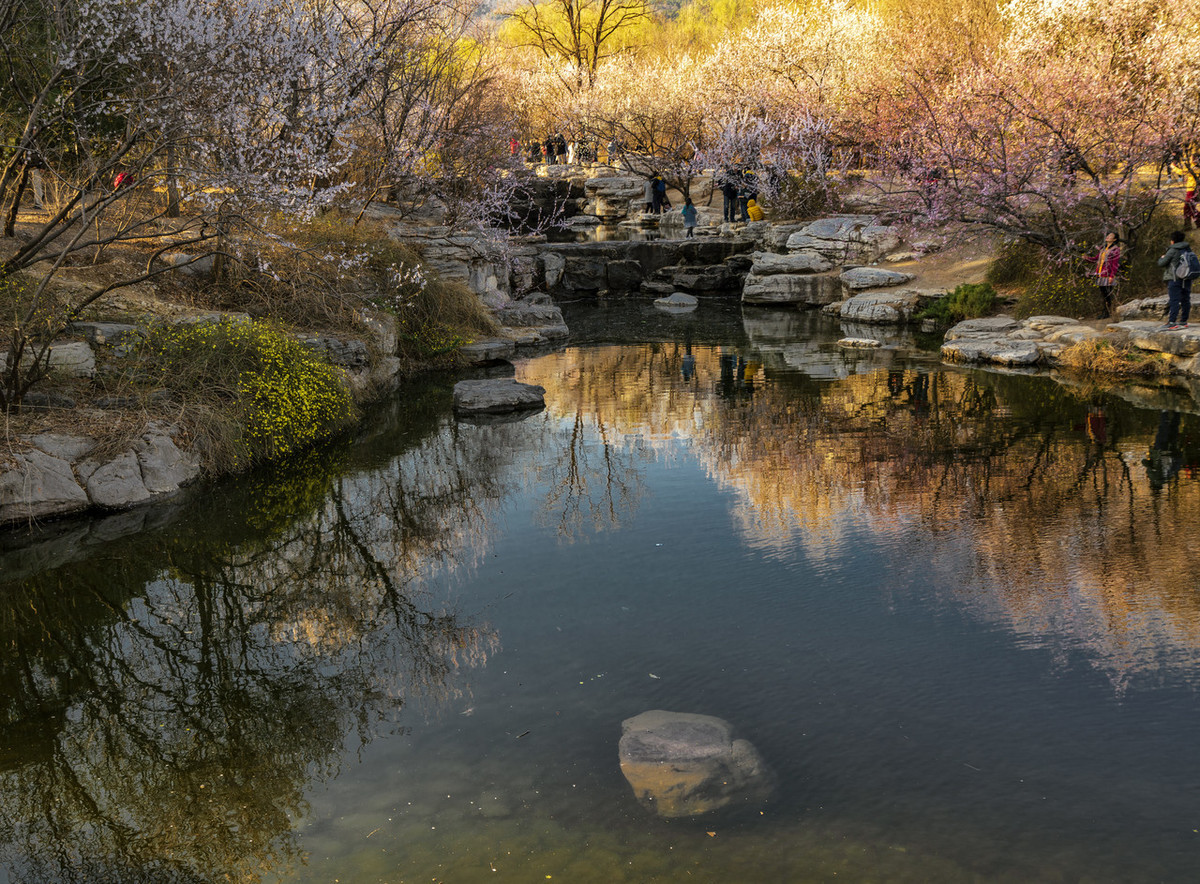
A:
[(712, 834)]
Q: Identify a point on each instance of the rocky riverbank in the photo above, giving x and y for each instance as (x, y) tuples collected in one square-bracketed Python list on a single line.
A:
[(849, 266)]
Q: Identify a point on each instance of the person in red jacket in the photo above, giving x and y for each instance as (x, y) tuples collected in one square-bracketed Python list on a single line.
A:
[(1108, 268)]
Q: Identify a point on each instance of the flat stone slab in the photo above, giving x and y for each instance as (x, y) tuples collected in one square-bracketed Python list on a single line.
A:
[(1153, 336), (790, 288), (804, 261), (880, 307), (487, 350), (1001, 351), (496, 396), (988, 325), (859, 343), (73, 359), (681, 764), (859, 278)]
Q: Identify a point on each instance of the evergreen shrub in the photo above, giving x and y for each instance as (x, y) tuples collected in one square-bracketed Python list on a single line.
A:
[(967, 301)]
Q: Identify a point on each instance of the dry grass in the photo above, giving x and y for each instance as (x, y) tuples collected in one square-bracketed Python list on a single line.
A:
[(1101, 357)]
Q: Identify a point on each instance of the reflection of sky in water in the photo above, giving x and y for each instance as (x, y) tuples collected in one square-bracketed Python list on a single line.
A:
[(956, 619)]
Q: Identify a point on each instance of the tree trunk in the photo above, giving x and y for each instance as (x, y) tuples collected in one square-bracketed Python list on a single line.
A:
[(10, 223), (172, 183)]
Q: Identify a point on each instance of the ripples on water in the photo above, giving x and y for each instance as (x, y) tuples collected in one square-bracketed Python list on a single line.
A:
[(955, 611)]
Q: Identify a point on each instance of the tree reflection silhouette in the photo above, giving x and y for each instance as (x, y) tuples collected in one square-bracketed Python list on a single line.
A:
[(167, 700)]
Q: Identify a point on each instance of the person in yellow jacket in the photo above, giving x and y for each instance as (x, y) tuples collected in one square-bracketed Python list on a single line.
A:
[(753, 212)]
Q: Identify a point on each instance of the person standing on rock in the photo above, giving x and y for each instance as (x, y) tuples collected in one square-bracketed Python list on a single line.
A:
[(1179, 290), (689, 217), (729, 192), (1108, 266)]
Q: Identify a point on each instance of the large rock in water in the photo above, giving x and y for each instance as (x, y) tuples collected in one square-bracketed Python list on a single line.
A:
[(680, 764), (497, 396)]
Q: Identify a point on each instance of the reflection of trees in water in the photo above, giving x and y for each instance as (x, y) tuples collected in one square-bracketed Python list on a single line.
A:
[(166, 701), (1073, 539)]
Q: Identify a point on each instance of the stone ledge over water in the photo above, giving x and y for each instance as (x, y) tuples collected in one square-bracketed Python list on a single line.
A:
[(497, 395), (681, 764)]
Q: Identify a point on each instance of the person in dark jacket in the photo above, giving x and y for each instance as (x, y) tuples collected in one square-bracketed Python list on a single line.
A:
[(729, 190), (1179, 291)]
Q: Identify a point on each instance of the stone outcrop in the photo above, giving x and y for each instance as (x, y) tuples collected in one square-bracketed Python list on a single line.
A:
[(682, 765), (71, 359), (796, 279), (1002, 340), (858, 278), (845, 239), (497, 395), (882, 307), (1182, 344), (660, 267), (57, 476), (612, 197)]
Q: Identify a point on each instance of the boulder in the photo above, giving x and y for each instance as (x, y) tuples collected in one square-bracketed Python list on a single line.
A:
[(497, 395), (881, 307), (713, 278), (678, 303), (62, 446), (1151, 308), (73, 359), (988, 325), (190, 265), (553, 266), (682, 765), (858, 278), (1152, 336), (106, 334), (610, 198), (804, 261), (785, 288), (116, 484), (525, 313), (1001, 351), (348, 354), (37, 485), (843, 238), (623, 276), (163, 465)]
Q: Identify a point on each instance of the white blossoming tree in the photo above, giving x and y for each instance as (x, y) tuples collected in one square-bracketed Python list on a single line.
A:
[(207, 112)]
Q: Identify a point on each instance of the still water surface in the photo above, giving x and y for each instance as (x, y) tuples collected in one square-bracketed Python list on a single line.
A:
[(957, 612)]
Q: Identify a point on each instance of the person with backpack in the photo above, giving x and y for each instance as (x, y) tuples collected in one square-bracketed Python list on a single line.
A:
[(1181, 266)]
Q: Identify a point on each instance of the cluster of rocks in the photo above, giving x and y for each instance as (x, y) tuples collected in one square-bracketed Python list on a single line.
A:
[(828, 263), (1041, 340), (61, 474), (50, 475), (1002, 340)]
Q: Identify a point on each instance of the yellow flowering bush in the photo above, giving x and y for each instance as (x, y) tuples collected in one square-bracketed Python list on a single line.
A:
[(279, 395)]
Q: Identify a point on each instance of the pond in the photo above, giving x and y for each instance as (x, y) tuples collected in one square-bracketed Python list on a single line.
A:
[(956, 612)]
